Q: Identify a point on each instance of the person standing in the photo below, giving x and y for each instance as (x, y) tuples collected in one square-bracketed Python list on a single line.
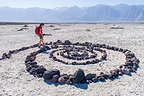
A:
[(39, 33)]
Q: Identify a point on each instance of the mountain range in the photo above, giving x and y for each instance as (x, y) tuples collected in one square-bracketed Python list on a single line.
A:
[(98, 13)]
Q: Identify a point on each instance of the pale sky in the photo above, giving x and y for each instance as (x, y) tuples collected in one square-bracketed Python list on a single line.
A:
[(64, 3)]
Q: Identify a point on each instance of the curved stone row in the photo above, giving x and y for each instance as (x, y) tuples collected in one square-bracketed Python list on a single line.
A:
[(68, 56), (72, 53), (11, 52), (68, 46), (79, 76)]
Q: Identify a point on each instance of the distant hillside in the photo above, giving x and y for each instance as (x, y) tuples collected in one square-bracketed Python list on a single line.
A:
[(96, 13)]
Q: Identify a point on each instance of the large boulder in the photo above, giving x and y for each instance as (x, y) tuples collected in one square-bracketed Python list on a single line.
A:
[(48, 75), (79, 76)]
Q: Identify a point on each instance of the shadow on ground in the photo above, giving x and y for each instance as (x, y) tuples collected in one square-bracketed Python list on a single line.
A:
[(81, 86)]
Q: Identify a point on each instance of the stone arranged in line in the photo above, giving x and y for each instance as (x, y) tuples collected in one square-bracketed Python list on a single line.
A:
[(53, 75), (79, 76)]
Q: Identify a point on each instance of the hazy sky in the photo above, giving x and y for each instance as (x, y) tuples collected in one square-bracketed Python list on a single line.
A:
[(64, 3)]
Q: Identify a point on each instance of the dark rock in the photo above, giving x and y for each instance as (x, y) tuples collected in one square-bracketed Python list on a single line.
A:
[(4, 56), (55, 78), (130, 54), (30, 59), (29, 67), (59, 42), (54, 46), (25, 26), (48, 75), (116, 28), (51, 26), (33, 46), (128, 64), (88, 30), (90, 76), (63, 78), (101, 78), (67, 42), (95, 79), (45, 48), (126, 71), (79, 76), (106, 76), (31, 63)]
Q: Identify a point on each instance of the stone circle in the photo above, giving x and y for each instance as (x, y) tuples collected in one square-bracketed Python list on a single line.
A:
[(78, 54)]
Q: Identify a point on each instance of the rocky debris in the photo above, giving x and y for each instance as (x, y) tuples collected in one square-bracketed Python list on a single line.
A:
[(48, 75)]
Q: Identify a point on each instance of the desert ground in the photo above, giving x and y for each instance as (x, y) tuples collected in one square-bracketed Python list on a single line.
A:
[(16, 81)]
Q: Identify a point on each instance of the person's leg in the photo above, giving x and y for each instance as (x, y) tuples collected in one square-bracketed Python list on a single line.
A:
[(41, 40)]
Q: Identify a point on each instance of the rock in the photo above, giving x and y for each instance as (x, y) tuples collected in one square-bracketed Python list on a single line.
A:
[(31, 63), (30, 59), (41, 50), (114, 73), (128, 63), (51, 26), (33, 46), (45, 48), (90, 76), (130, 54), (95, 79), (104, 75), (29, 67), (79, 76), (116, 28), (101, 78), (23, 48), (40, 71), (59, 42), (48, 75), (55, 78), (54, 46), (126, 71), (25, 26), (63, 78), (67, 42), (4, 56), (88, 30)]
